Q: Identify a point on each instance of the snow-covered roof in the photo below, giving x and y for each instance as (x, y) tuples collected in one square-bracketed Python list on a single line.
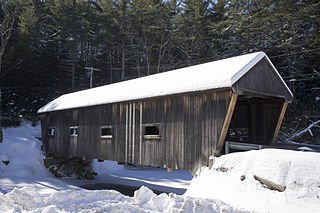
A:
[(218, 74)]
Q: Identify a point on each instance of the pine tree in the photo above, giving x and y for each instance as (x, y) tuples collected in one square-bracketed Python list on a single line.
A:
[(151, 34), (192, 29)]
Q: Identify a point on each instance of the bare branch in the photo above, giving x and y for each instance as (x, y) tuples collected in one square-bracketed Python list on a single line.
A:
[(301, 132)]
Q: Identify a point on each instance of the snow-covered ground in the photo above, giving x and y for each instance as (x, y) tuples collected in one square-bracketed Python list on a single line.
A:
[(176, 181), (25, 166), (27, 186), (298, 171)]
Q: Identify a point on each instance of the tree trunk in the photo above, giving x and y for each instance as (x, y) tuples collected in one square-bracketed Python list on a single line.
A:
[(74, 57), (123, 62), (110, 55)]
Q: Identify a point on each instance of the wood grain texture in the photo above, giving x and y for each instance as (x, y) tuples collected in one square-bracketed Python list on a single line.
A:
[(277, 129), (189, 128), (262, 80), (226, 123)]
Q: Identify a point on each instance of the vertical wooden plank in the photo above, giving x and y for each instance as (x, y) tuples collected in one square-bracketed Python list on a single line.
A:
[(130, 134), (227, 120), (252, 109), (133, 129), (127, 135), (263, 106), (282, 113), (140, 135)]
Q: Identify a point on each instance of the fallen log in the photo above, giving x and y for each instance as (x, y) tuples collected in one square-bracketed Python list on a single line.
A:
[(269, 184)]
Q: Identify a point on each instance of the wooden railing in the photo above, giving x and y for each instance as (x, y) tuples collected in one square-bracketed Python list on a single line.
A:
[(249, 146), (242, 146)]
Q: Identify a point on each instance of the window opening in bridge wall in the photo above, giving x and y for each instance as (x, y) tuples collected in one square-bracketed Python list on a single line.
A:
[(106, 132), (74, 131), (52, 132), (152, 132)]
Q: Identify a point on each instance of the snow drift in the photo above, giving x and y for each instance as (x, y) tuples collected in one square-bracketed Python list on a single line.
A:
[(231, 179), (144, 200), (22, 151)]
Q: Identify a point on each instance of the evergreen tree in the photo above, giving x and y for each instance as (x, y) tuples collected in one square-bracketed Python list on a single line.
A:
[(191, 35), (13, 14), (52, 41)]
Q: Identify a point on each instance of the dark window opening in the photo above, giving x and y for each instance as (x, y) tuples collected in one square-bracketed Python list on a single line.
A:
[(151, 130), (74, 131), (106, 132), (52, 132)]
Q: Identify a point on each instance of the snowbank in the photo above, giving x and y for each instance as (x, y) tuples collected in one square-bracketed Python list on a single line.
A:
[(298, 171), (144, 200), (21, 161), (21, 150)]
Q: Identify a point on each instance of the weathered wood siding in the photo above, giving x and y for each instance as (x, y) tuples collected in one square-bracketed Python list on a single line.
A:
[(261, 79), (189, 128), (88, 143)]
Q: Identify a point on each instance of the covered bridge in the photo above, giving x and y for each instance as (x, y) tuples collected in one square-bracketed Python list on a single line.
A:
[(175, 119)]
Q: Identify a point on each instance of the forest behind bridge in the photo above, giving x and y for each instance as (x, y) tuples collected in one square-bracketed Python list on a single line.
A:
[(48, 47)]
